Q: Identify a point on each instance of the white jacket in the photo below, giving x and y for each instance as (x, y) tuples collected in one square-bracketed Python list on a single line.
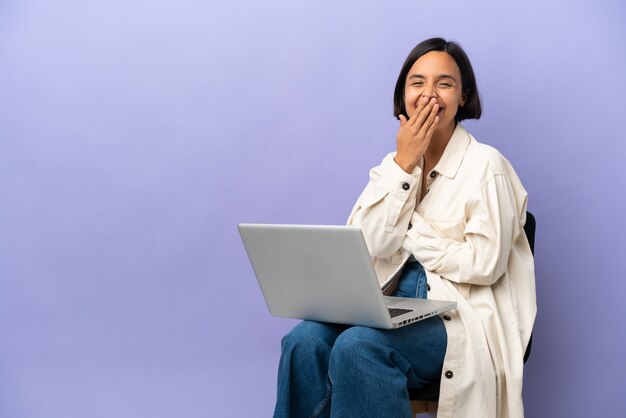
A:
[(468, 234)]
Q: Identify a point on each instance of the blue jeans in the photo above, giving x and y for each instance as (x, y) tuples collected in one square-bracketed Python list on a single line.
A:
[(330, 370)]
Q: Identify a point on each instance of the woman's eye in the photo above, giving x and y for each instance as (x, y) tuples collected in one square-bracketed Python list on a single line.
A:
[(445, 84), (418, 84)]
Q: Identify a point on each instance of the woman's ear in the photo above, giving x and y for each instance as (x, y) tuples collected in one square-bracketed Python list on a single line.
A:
[(463, 100)]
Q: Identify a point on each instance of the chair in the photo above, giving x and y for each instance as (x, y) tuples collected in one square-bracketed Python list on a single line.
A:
[(425, 400)]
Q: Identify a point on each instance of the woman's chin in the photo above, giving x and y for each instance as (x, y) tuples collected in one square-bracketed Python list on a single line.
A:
[(445, 126)]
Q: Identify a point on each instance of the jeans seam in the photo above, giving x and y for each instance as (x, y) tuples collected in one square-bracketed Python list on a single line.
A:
[(324, 401)]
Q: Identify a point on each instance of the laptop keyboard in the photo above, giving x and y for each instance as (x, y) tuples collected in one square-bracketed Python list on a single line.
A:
[(398, 311)]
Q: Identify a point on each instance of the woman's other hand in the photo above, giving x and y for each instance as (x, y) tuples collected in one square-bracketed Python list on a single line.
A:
[(414, 134)]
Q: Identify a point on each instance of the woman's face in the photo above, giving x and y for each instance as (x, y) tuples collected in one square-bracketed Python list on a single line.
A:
[(435, 74)]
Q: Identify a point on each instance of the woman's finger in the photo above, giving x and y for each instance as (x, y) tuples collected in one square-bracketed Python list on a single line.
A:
[(429, 120), (422, 101), (431, 128), (426, 112)]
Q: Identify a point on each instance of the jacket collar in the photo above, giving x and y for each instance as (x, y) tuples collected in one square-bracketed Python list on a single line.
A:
[(453, 155)]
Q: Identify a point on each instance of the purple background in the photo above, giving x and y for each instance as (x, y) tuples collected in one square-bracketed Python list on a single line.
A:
[(135, 134)]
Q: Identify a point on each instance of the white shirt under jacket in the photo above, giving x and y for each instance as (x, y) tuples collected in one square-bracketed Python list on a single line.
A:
[(468, 234)]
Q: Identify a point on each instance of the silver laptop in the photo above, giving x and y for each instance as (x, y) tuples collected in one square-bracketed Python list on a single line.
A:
[(325, 273)]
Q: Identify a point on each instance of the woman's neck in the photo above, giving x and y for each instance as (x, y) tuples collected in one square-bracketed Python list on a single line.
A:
[(437, 145)]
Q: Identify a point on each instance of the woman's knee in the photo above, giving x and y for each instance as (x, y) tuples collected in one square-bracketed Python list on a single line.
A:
[(358, 334), (356, 343), (360, 354), (309, 337)]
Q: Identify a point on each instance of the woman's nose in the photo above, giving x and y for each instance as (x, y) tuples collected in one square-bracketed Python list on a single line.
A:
[(430, 92)]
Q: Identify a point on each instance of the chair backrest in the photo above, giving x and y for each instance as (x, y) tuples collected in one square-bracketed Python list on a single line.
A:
[(529, 229)]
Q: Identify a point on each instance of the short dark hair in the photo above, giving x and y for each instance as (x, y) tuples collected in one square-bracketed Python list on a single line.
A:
[(472, 108)]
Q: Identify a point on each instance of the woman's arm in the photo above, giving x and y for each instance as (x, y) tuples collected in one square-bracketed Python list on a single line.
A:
[(383, 211), (494, 219)]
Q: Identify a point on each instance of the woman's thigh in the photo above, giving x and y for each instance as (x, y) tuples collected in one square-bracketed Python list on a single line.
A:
[(417, 349)]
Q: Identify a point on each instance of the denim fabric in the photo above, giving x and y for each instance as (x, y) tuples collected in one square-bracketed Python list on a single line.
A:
[(329, 370), (412, 283)]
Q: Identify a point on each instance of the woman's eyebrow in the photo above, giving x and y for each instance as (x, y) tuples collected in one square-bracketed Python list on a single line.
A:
[(447, 76), (439, 77)]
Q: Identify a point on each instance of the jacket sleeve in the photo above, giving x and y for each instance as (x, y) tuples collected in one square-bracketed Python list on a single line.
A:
[(494, 220), (383, 211)]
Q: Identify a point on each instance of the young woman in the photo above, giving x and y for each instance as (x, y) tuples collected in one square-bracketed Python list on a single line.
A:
[(442, 217)]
